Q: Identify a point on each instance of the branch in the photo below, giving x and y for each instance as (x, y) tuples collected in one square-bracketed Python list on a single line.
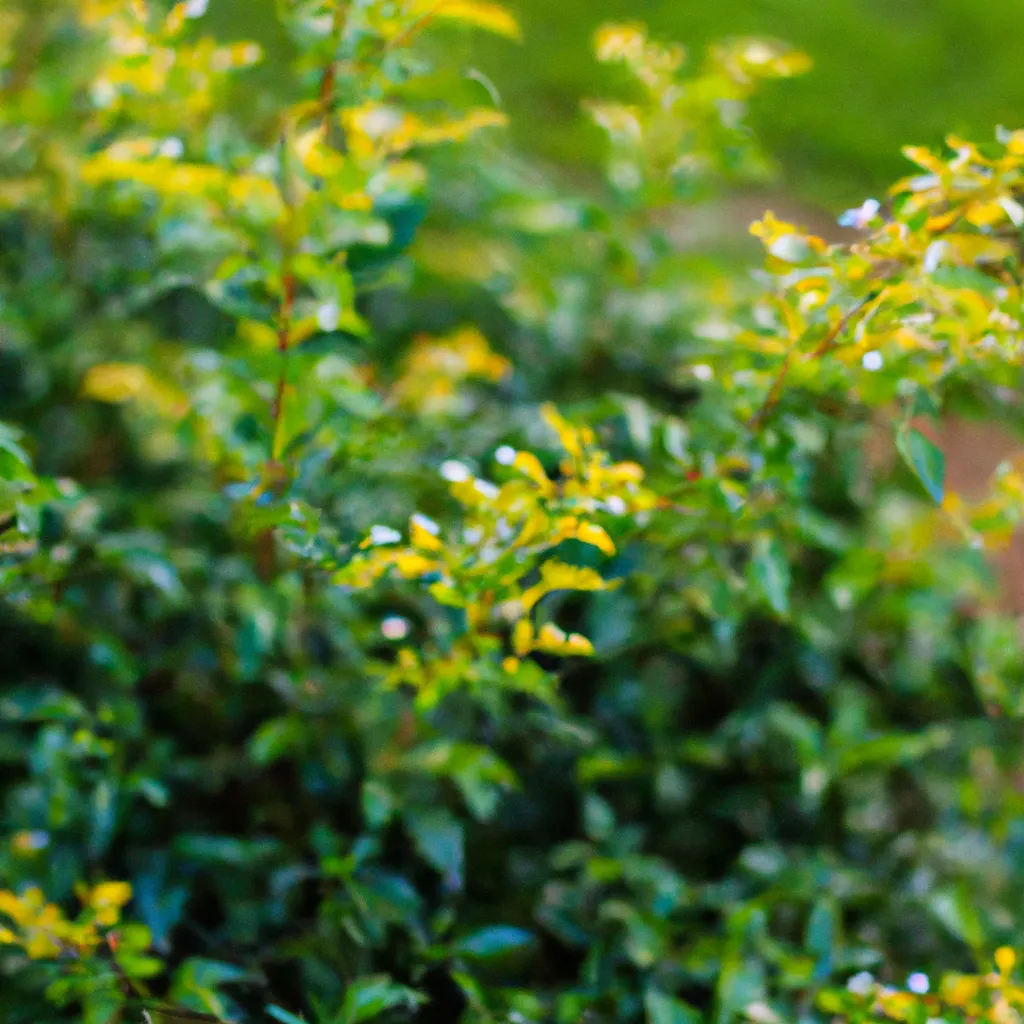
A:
[(827, 344)]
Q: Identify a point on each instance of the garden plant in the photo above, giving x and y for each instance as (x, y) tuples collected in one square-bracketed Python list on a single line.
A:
[(431, 591)]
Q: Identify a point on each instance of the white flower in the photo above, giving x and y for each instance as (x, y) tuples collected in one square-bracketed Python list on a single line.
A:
[(615, 505), (861, 984), (384, 535), (394, 627), (862, 216), (196, 8), (328, 315), (173, 149), (918, 983), (455, 472), (486, 488), (872, 361), (426, 524), (505, 455)]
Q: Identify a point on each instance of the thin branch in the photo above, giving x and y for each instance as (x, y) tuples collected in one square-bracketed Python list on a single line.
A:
[(827, 344), (286, 312), (329, 81)]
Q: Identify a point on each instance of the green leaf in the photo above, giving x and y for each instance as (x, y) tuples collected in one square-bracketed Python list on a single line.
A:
[(665, 1009), (598, 818), (378, 803), (283, 1015), (372, 996), (925, 404), (439, 839), (926, 460), (958, 913), (770, 573), (495, 941), (161, 1015), (820, 938)]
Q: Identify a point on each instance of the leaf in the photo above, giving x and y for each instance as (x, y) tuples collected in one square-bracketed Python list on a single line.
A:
[(926, 460), (480, 14), (372, 996), (495, 941), (956, 910), (274, 740), (820, 938), (665, 1009), (769, 570), (439, 839), (160, 1015), (598, 818), (378, 803), (283, 1016)]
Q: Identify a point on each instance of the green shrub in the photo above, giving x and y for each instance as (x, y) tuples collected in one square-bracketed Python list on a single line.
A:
[(471, 603)]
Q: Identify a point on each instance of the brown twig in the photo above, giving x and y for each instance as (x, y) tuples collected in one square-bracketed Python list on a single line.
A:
[(286, 312), (329, 81), (827, 344)]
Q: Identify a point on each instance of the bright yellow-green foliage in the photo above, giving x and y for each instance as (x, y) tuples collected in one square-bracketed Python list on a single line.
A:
[(293, 725), (44, 932), (996, 997), (508, 534)]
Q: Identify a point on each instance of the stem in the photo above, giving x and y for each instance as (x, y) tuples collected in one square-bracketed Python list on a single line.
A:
[(827, 344), (286, 312), (329, 80), (284, 338)]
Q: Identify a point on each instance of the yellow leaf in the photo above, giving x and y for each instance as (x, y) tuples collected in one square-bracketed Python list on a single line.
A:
[(567, 434), (552, 640), (529, 465), (522, 637), (115, 383), (459, 130), (482, 14), (14, 908), (559, 576), (423, 534), (412, 565), (110, 894), (620, 42), (924, 158), (591, 533)]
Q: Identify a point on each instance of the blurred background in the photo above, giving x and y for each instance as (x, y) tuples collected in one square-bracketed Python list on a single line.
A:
[(887, 73)]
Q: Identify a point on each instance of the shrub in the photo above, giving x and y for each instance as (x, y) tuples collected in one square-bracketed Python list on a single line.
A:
[(470, 604)]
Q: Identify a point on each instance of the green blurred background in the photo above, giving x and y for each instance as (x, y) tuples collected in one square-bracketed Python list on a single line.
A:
[(887, 73)]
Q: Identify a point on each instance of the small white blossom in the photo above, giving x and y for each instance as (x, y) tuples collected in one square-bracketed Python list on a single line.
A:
[(861, 984), (872, 361), (426, 524), (615, 505), (173, 149), (196, 8), (328, 316), (862, 216), (918, 983), (486, 488), (455, 472), (505, 455), (384, 535), (394, 627)]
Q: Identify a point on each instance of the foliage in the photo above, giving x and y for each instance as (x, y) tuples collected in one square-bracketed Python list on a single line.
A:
[(994, 996), (666, 703)]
